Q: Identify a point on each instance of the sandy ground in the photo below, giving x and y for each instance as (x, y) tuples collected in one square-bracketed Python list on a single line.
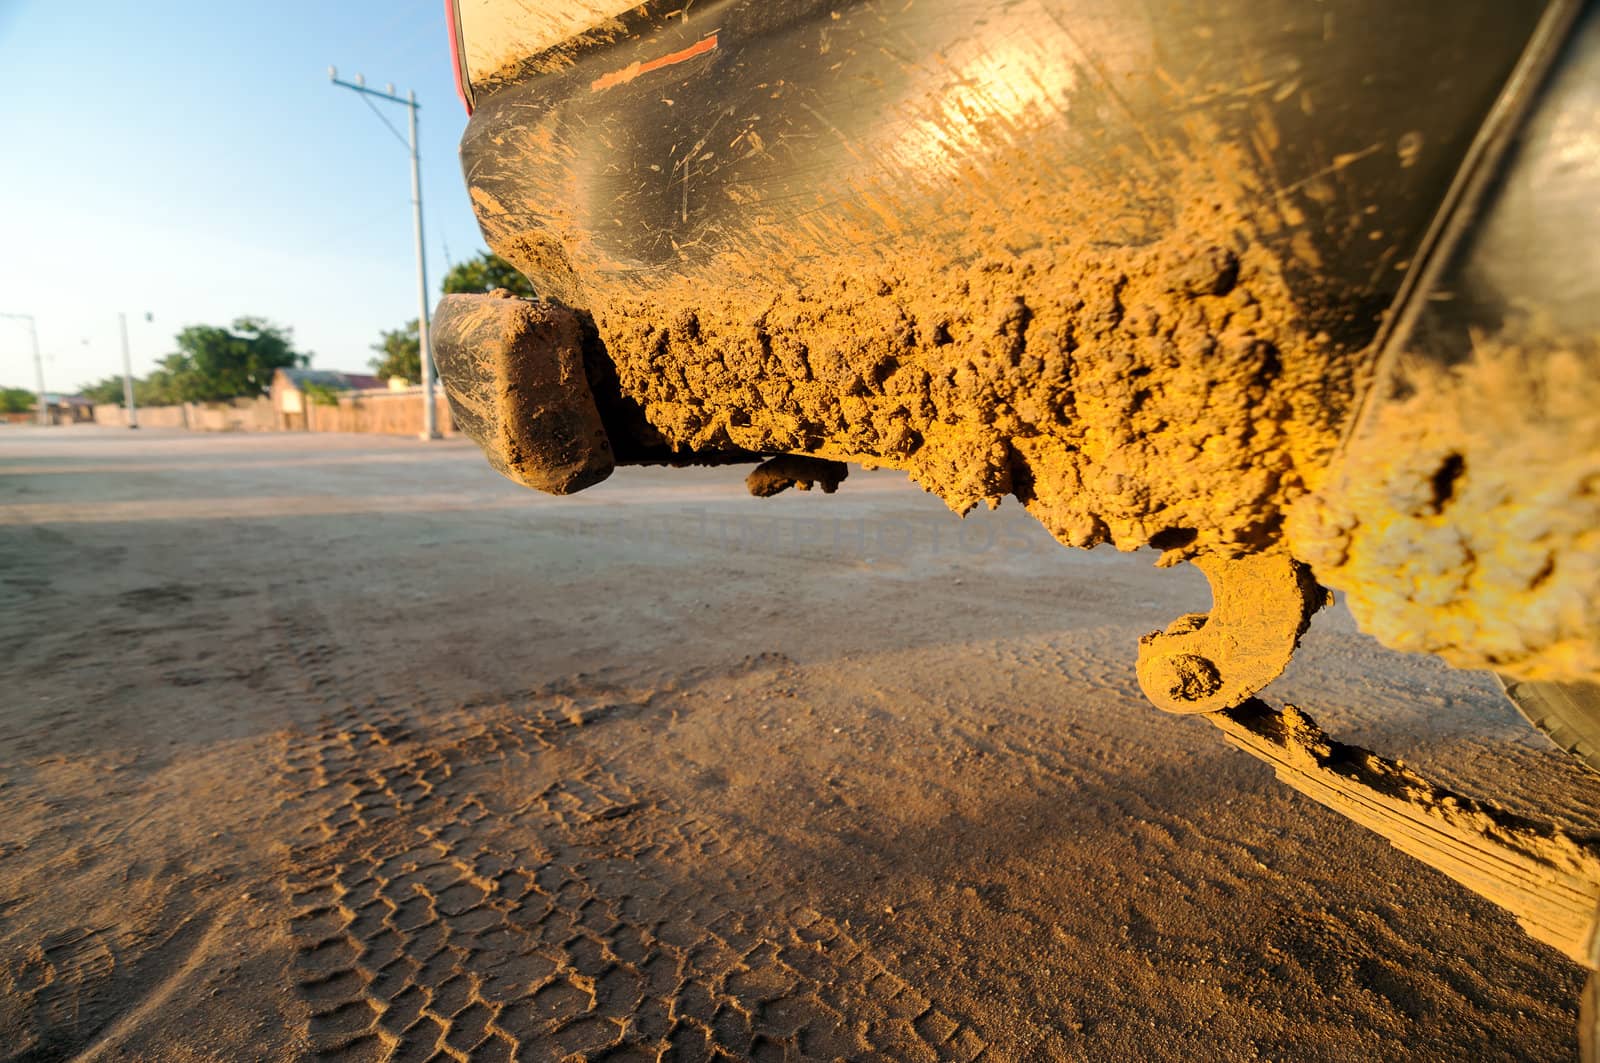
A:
[(340, 747)]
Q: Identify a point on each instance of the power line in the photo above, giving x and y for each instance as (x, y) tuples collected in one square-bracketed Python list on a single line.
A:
[(430, 428), (397, 134)]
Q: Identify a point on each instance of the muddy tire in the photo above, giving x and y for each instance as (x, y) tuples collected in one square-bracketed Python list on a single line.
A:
[(1569, 713)]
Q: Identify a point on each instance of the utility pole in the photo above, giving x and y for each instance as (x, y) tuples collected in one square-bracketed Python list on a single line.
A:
[(430, 428), (38, 364), (127, 374)]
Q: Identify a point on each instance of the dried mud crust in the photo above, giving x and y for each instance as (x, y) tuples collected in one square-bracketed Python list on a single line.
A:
[(1123, 356), (1465, 519), (584, 920)]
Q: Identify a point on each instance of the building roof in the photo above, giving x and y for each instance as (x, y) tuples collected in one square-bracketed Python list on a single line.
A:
[(335, 379)]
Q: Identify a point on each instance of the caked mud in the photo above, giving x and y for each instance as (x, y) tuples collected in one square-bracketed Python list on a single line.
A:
[(1090, 287), (1138, 386), (1127, 361), (1431, 529)]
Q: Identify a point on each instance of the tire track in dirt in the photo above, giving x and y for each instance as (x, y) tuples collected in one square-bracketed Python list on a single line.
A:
[(470, 885), (1143, 861), (63, 983)]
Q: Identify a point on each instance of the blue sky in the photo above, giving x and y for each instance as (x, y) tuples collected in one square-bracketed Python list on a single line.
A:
[(190, 160)]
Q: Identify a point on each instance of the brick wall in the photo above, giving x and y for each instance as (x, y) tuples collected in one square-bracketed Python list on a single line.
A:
[(376, 412)]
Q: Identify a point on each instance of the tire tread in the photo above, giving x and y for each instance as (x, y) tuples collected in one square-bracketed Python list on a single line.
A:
[(1567, 712)]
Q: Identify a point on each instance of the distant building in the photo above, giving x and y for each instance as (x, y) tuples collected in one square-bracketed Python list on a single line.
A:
[(68, 409), (64, 409), (293, 391)]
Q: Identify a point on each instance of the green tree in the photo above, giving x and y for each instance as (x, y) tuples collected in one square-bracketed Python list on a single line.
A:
[(211, 364), (16, 400), (158, 388), (484, 273), (399, 350), (107, 392), (401, 354), (215, 364)]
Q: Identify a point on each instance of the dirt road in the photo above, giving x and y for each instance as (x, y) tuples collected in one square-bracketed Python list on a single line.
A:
[(344, 748)]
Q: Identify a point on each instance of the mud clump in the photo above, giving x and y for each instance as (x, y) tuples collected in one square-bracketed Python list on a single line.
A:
[(1190, 678), (1464, 519), (778, 474)]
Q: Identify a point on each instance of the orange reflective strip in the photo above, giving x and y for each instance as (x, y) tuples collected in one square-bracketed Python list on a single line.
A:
[(633, 70)]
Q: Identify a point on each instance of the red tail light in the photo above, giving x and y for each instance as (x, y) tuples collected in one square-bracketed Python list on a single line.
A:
[(458, 53)]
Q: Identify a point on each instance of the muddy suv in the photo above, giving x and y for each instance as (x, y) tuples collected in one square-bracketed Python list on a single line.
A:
[(1302, 294)]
